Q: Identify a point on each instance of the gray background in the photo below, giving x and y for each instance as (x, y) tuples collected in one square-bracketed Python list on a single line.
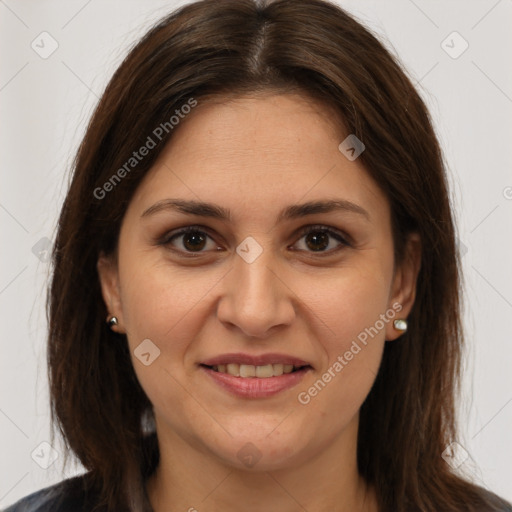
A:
[(45, 104)]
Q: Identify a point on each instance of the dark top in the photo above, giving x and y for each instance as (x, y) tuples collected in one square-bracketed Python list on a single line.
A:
[(65, 496), (69, 496)]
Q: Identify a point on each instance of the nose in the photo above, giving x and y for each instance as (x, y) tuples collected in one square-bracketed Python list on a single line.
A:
[(255, 297)]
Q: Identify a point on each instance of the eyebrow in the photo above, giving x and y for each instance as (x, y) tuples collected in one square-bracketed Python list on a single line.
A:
[(294, 211)]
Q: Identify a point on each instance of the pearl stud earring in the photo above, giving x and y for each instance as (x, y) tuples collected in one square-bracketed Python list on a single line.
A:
[(400, 324), (112, 321)]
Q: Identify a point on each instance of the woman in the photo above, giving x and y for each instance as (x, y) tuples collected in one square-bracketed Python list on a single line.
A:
[(259, 210)]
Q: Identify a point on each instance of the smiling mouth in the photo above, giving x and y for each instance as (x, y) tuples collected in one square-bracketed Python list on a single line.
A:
[(251, 371)]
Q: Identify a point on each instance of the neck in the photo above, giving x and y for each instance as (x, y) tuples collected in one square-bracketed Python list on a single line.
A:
[(192, 479)]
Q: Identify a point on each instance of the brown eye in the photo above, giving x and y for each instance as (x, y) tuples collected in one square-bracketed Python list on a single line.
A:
[(319, 239), (189, 240), (194, 241)]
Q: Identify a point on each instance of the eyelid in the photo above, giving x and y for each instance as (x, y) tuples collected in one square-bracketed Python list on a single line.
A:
[(343, 238)]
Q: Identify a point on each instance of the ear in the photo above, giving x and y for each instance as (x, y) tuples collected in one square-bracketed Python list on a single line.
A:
[(109, 280), (403, 291)]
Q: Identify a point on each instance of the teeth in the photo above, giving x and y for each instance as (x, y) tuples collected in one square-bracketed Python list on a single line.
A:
[(262, 371), (249, 370), (278, 369), (233, 369)]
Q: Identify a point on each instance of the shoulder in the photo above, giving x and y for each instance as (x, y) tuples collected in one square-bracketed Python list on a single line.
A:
[(70, 495), (493, 502), (500, 504)]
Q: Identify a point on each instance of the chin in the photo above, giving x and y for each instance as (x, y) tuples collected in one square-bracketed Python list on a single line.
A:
[(259, 454)]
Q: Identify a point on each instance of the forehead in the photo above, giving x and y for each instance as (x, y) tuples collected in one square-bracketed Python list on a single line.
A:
[(258, 151)]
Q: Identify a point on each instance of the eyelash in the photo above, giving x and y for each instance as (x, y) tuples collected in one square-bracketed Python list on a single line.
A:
[(333, 233)]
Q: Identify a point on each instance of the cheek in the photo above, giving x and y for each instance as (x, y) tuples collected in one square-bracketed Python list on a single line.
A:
[(162, 304), (348, 300), (347, 307), (157, 300)]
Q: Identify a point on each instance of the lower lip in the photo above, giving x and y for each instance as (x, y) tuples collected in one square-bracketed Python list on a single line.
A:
[(254, 387)]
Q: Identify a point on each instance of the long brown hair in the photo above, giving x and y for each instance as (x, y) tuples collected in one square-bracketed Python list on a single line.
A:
[(232, 47)]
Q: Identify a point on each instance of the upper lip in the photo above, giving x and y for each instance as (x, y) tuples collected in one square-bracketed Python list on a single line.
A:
[(261, 360)]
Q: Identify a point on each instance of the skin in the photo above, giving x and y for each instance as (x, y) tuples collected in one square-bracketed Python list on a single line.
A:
[(256, 155)]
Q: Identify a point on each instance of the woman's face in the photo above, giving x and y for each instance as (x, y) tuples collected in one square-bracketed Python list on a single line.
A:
[(253, 283)]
